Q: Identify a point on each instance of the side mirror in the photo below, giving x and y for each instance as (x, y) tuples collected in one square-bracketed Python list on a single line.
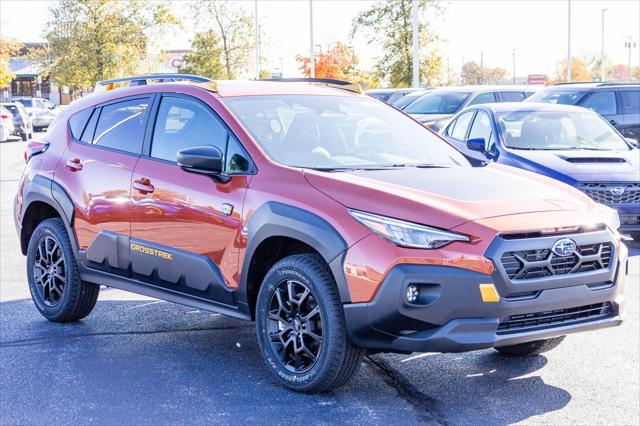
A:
[(632, 141), (204, 159), (476, 144)]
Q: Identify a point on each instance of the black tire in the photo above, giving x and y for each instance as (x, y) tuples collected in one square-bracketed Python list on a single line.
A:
[(531, 348), (58, 297), (24, 136), (337, 359)]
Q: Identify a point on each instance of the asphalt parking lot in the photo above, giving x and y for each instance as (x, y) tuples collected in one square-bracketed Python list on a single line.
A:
[(137, 360)]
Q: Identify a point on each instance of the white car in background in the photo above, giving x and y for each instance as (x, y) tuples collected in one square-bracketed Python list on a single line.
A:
[(6, 124), (42, 111)]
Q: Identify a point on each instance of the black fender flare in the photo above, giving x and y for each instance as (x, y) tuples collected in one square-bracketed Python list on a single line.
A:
[(275, 219), (42, 189)]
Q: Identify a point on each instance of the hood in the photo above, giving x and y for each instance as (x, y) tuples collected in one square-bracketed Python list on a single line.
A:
[(447, 197), (582, 165)]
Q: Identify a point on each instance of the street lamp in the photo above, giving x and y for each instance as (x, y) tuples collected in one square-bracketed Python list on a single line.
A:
[(602, 70), (514, 65), (569, 41), (629, 45), (312, 65)]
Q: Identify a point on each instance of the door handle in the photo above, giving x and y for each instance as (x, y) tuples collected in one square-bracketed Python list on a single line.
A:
[(613, 122), (143, 185), (75, 165)]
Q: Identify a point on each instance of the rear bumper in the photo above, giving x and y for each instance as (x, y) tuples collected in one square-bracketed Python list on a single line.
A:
[(451, 316)]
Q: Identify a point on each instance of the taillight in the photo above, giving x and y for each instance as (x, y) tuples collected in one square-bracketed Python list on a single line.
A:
[(5, 116), (34, 148)]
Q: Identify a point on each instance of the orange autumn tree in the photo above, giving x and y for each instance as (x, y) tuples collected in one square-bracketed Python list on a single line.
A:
[(338, 62)]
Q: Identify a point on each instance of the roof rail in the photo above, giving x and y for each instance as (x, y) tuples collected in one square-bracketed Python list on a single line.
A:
[(142, 80), (600, 83), (329, 82)]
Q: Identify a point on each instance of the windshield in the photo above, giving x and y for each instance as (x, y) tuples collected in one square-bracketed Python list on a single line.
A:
[(25, 102), (339, 132), (11, 107), (437, 103), (564, 97), (544, 130)]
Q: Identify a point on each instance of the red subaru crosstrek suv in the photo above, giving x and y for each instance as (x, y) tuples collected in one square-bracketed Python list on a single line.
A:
[(337, 223)]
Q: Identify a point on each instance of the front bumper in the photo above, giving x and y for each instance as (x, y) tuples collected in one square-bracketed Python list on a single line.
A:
[(451, 316)]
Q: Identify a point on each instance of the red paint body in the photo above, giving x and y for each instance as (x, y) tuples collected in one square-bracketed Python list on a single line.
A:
[(184, 209)]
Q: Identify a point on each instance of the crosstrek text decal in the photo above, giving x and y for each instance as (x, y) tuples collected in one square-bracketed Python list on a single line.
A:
[(151, 251)]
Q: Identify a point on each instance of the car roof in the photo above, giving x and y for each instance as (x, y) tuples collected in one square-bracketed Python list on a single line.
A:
[(588, 85), (482, 88), (527, 107)]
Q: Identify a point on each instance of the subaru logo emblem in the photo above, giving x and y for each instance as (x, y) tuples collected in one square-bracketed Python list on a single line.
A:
[(616, 190), (564, 247)]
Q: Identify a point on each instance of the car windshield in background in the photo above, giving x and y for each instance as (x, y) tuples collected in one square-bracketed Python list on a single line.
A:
[(563, 97), (25, 102), (13, 108), (330, 132), (542, 130), (437, 103)]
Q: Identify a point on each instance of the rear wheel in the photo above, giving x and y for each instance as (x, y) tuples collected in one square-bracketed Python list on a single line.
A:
[(301, 327), (531, 348), (54, 279), (24, 136)]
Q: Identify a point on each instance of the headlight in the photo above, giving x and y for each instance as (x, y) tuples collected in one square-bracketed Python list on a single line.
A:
[(611, 216), (406, 234)]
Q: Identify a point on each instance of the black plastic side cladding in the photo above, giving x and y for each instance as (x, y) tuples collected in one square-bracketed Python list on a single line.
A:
[(274, 219)]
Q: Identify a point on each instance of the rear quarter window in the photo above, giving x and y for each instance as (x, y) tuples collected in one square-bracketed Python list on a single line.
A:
[(78, 121), (630, 101)]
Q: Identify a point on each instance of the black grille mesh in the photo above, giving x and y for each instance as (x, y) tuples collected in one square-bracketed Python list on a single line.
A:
[(558, 317)]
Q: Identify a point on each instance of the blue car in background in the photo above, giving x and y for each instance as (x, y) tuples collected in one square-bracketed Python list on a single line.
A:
[(568, 143)]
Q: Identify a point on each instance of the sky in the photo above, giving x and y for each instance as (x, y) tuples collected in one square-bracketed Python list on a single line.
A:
[(494, 29)]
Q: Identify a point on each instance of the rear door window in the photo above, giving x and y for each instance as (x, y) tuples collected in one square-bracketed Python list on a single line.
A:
[(484, 98), (121, 125), (459, 131), (604, 103), (512, 96), (630, 101)]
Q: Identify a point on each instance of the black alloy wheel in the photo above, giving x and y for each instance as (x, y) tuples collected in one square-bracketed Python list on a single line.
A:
[(49, 270), (294, 325)]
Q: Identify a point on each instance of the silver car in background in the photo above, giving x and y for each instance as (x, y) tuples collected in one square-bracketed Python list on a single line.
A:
[(6, 124), (42, 111)]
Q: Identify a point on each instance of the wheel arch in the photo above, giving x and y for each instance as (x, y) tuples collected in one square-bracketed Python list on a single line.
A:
[(277, 230), (45, 199)]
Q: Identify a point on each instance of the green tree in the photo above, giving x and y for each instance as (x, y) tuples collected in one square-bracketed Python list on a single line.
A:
[(8, 48), (204, 56), (389, 24), (92, 40), (234, 28), (472, 73)]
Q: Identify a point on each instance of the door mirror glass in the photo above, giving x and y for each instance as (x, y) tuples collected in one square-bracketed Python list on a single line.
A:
[(476, 144), (204, 159)]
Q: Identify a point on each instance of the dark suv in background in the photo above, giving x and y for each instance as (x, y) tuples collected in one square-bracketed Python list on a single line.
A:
[(619, 103)]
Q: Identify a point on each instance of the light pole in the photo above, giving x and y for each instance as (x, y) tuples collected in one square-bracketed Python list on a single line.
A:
[(281, 68), (257, 41), (569, 41), (629, 45), (514, 65), (416, 47), (312, 65), (602, 70)]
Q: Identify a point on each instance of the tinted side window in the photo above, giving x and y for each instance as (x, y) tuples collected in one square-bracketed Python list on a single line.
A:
[(237, 159), (512, 96), (183, 123), (484, 98), (78, 121), (462, 124), (630, 101), (604, 103), (481, 127), (90, 128), (121, 125)]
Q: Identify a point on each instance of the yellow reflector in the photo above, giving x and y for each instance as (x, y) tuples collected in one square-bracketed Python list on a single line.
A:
[(489, 293)]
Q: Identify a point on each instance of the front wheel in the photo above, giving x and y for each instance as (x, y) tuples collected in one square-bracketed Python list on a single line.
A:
[(54, 279), (301, 327), (531, 348)]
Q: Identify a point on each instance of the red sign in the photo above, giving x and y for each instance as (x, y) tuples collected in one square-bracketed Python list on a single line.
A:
[(537, 79)]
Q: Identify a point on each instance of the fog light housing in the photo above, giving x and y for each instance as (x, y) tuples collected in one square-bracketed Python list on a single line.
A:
[(413, 293)]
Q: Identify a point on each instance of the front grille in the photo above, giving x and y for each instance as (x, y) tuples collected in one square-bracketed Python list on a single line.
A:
[(540, 263), (556, 318), (630, 219), (612, 193)]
